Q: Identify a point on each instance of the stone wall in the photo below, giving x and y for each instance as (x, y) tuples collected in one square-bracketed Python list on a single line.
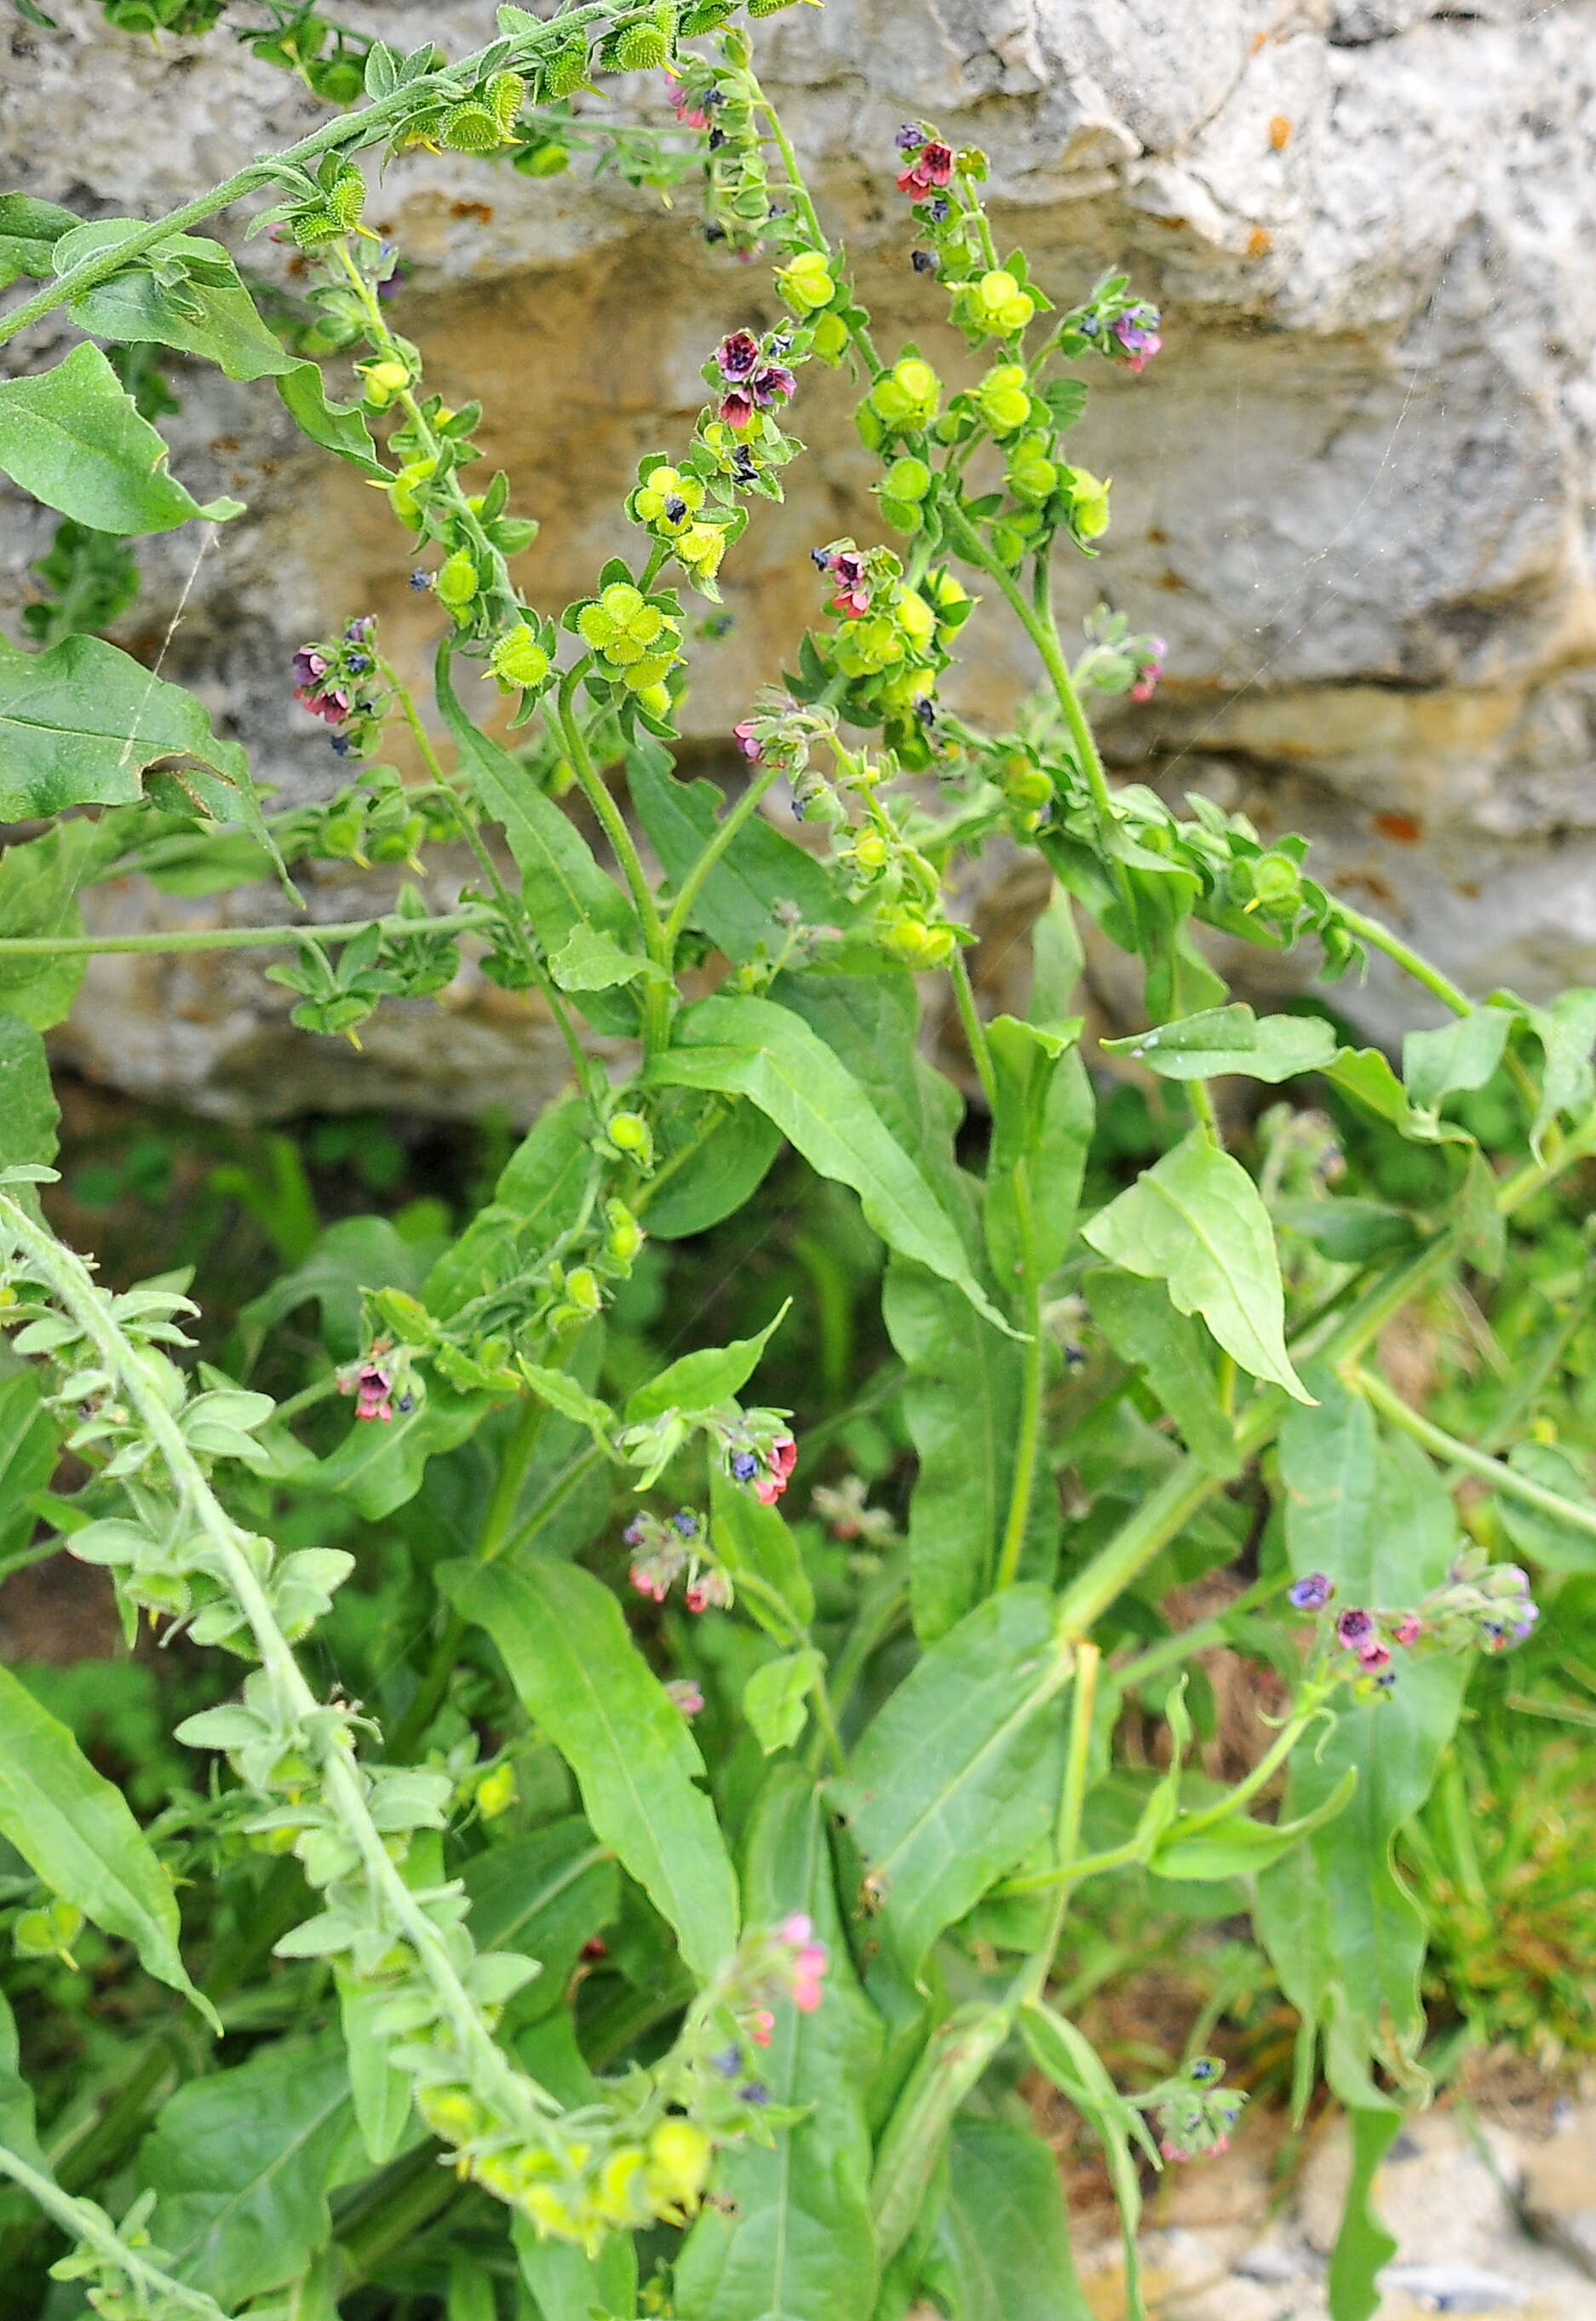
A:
[(1356, 492)]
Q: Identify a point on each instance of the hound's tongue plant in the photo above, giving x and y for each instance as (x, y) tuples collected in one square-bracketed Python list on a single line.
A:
[(522, 1990)]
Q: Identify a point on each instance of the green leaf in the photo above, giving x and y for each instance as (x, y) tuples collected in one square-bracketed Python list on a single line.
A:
[(73, 438), (1363, 2245), (1345, 1936), (1176, 1353), (1566, 1030), (713, 1153), (241, 2164), (80, 724), (540, 1196), (1194, 1222), (1461, 1055), (871, 1023), (961, 1403), (776, 1698), (1231, 1039), (378, 1467), (211, 315), (39, 887), (561, 1392), (753, 1047), (755, 1541), (569, 2285), (793, 2238), (77, 1832), (29, 1445), (357, 1253), (1365, 1074), (1559, 1546), (957, 1775), (19, 2130), (1005, 2232), (704, 1380), (563, 887), (1041, 1128), (575, 1669), (1348, 1229), (28, 1109), (1237, 1847), (381, 2093), (589, 961), (544, 1895), (736, 904), (28, 232)]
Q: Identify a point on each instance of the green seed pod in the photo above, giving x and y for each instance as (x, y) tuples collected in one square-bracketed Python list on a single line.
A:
[(566, 70), (470, 128), (346, 199), (757, 8), (517, 659), (339, 81), (456, 581), (505, 95), (310, 228)]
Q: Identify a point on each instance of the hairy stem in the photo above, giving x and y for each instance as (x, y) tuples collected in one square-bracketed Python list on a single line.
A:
[(181, 938), (93, 2228), (1495, 1471)]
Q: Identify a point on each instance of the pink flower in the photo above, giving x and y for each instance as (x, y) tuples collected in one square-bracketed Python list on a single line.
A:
[(648, 1583), (809, 1971), (797, 1930), (374, 1392), (784, 1458), (690, 115), (852, 598), (687, 1694), (761, 2023), (737, 356), (1408, 1629), (928, 172), (332, 706), (1372, 1656), (748, 742), (737, 408)]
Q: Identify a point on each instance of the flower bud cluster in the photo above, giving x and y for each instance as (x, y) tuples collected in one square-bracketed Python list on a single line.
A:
[(892, 642), (338, 679), (1116, 662), (1193, 2114), (1480, 1606), (381, 1381), (665, 1549)]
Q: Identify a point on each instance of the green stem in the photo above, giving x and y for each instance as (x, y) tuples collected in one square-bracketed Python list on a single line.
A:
[(1066, 1847), (182, 939), (612, 822), (1027, 1444), (1502, 1478), (803, 201), (350, 131), (975, 1031), (233, 1562), (1202, 1104), (1381, 938), (92, 2228), (726, 830), (1175, 1649)]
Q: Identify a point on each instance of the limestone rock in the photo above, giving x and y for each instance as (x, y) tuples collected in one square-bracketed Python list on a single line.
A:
[(1357, 492), (1560, 2189)]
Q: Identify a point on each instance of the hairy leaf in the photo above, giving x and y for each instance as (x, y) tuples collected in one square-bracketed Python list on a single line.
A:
[(736, 904), (1462, 1055), (539, 1196), (794, 2240), (776, 1698), (753, 1047), (961, 1402), (28, 232), (713, 1153), (1363, 2245), (958, 1773), (754, 1542), (77, 1832), (1142, 1327), (1194, 1222), (1041, 1127), (241, 2164), (73, 438), (29, 1447), (1005, 2232), (378, 1466), (1231, 1039), (28, 1109), (39, 887), (80, 724), (1345, 1934), (544, 1895), (576, 1670), (704, 1381), (563, 886)]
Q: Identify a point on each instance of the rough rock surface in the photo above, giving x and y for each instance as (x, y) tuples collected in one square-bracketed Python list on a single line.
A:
[(1357, 492)]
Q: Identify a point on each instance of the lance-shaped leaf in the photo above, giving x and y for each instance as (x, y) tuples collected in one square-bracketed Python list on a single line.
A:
[(1142, 1327), (74, 438), (28, 1435), (1072, 2064), (544, 1895), (1365, 1074), (241, 2165), (753, 1047), (701, 1381), (1005, 2232), (81, 725), (1231, 1039), (1041, 1127), (28, 232), (1460, 1056), (961, 1401), (793, 2238), (77, 1832), (957, 1775), (575, 1669), (539, 1196), (1345, 1936), (28, 1109), (735, 907), (562, 884), (1194, 1221)]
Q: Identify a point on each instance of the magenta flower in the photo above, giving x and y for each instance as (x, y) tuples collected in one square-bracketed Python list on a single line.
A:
[(748, 743), (1408, 1629), (1354, 1628), (852, 598), (1373, 1655), (929, 172), (374, 1392), (690, 115), (772, 382), (784, 1458), (1138, 334), (738, 357)]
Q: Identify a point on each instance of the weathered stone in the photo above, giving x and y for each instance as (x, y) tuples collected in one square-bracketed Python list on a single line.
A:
[(1355, 492), (1559, 2194)]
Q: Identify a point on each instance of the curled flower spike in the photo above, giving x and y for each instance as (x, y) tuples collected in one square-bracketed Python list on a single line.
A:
[(1138, 334), (1312, 1592)]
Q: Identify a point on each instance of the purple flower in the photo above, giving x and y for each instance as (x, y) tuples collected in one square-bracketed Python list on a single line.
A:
[(924, 261), (739, 356), (308, 665), (728, 2061), (1312, 1592), (769, 381), (1354, 1628), (745, 1466), (755, 2092), (748, 742), (421, 577), (910, 138), (1138, 334), (359, 630), (685, 1522)]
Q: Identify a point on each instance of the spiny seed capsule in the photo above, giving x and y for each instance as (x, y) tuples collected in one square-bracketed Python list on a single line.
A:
[(567, 71), (506, 94), (456, 581), (470, 128), (519, 659), (346, 199)]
